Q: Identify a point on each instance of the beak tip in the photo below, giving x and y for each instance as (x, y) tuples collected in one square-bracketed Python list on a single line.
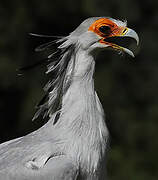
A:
[(138, 42)]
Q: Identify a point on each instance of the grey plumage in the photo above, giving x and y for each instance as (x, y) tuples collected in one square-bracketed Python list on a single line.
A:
[(72, 144), (57, 65)]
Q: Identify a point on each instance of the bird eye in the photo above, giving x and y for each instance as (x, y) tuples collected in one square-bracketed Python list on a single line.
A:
[(105, 30)]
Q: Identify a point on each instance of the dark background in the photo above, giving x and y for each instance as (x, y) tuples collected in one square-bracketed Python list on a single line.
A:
[(127, 87)]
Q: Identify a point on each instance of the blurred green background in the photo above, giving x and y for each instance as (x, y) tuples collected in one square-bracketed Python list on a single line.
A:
[(127, 87)]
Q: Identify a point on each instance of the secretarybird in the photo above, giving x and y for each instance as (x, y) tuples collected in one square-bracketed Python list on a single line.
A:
[(72, 144)]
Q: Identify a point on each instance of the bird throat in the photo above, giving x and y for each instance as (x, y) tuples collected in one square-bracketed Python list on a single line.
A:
[(82, 118)]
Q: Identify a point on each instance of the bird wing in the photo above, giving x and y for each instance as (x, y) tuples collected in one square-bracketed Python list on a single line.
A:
[(35, 162), (29, 158), (56, 168)]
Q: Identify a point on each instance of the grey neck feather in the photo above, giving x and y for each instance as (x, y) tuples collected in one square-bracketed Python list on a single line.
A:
[(81, 123), (77, 121)]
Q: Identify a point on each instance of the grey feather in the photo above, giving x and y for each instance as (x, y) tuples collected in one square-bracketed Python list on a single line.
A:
[(72, 144)]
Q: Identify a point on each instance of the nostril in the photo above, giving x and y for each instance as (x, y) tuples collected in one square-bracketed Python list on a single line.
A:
[(124, 30)]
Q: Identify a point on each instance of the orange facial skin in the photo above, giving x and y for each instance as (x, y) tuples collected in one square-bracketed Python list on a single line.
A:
[(115, 30)]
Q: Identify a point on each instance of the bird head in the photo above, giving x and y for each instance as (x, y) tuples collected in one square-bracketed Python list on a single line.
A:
[(103, 32)]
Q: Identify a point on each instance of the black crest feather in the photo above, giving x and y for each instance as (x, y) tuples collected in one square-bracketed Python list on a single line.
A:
[(57, 63)]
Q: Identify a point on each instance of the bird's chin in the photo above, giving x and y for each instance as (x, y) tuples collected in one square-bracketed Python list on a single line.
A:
[(121, 49), (119, 44)]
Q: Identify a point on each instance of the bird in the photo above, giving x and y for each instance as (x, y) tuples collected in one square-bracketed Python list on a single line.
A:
[(73, 143)]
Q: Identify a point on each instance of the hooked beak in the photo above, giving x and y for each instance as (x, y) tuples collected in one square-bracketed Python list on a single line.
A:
[(122, 36)]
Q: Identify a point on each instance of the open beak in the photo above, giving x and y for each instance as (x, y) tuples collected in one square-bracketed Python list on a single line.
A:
[(119, 40)]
